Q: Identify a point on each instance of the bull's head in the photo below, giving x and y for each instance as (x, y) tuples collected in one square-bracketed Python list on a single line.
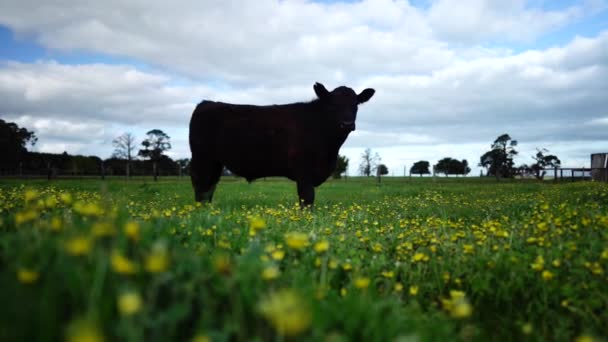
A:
[(341, 104)]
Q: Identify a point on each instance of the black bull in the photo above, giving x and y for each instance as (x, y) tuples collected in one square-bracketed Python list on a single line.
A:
[(299, 141)]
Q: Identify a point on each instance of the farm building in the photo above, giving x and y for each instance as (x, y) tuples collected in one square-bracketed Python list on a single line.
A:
[(599, 164)]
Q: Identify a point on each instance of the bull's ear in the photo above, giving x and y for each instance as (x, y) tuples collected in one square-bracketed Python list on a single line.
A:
[(365, 95), (320, 90)]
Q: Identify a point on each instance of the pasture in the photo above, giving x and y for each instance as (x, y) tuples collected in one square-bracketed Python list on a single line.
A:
[(408, 260)]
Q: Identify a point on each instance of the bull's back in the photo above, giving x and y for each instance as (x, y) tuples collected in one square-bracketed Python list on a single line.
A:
[(251, 141)]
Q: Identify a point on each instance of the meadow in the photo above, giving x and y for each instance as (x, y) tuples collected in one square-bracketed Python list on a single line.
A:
[(407, 260)]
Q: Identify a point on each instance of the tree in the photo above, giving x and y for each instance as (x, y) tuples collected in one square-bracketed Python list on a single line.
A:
[(369, 162), (382, 170), (13, 142), (341, 166), (543, 161), (499, 160), (465, 167), (420, 167), (451, 166), (154, 147), (124, 146)]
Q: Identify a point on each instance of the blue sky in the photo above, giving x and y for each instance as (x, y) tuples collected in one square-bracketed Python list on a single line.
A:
[(449, 75)]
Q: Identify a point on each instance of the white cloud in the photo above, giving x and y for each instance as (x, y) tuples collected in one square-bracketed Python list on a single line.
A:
[(477, 20)]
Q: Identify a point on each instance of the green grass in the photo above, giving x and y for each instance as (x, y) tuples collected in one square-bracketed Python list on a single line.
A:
[(414, 258)]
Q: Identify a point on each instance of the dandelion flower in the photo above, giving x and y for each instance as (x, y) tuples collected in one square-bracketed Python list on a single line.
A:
[(84, 330), (270, 273), (296, 240), (78, 246), (287, 312), (278, 254), (121, 264), (27, 276), (362, 282), (131, 229), (129, 303), (321, 246)]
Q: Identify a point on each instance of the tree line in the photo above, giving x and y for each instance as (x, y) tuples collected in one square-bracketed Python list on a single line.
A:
[(150, 158), (127, 159), (498, 162)]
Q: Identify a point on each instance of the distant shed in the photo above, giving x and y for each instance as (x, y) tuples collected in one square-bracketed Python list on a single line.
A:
[(599, 167)]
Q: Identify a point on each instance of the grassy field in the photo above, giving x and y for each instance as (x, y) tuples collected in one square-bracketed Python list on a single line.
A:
[(407, 260)]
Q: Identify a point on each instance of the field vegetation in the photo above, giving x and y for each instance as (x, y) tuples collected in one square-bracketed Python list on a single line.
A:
[(409, 260)]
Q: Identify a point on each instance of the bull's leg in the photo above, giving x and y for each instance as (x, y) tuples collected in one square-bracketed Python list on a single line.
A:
[(306, 193), (205, 175)]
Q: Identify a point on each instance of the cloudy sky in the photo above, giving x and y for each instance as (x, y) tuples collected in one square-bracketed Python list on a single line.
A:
[(450, 75)]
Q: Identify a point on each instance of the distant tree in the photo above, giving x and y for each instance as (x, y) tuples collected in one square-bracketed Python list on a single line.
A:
[(421, 168), (369, 162), (13, 142), (444, 166), (523, 170), (465, 169), (154, 147), (341, 166), (124, 147), (543, 161), (451, 166), (499, 160), (381, 170)]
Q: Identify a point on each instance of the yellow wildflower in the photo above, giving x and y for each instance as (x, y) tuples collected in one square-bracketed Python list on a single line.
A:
[(585, 338), (27, 276), (25, 216), (538, 264), (256, 224), (201, 338), (287, 312), (547, 275), (362, 282), (56, 224), (121, 264), (83, 330), (413, 290), (468, 249), (527, 328), (278, 254), (102, 229), (420, 257), (88, 209), (221, 264), (30, 195), (457, 305), (131, 229), (321, 246), (398, 287), (158, 260), (296, 240), (129, 303), (388, 274), (66, 198), (78, 246), (271, 273)]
